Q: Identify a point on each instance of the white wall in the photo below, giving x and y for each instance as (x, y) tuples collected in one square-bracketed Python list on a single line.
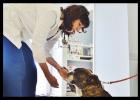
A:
[(111, 46), (133, 45)]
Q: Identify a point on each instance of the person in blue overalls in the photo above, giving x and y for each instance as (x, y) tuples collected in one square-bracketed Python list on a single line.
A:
[(29, 33)]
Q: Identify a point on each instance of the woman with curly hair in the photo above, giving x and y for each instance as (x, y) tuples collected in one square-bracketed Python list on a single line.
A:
[(30, 31)]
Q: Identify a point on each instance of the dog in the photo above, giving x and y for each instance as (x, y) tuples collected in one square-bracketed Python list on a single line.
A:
[(89, 83)]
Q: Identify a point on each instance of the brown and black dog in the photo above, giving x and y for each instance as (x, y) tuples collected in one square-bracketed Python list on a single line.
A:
[(89, 83)]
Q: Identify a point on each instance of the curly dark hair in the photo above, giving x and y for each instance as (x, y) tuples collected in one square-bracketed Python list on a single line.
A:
[(72, 13)]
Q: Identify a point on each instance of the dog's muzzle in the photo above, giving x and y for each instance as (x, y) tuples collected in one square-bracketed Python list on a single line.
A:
[(70, 78)]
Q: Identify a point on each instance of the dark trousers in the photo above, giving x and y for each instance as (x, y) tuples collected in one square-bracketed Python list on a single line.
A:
[(19, 70)]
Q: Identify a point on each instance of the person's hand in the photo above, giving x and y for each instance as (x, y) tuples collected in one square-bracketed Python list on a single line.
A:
[(52, 81), (63, 72)]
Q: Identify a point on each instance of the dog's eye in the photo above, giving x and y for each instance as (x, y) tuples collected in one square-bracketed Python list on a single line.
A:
[(90, 80), (72, 82)]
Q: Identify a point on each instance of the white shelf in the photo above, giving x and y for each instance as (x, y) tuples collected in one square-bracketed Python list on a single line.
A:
[(76, 55), (79, 60), (78, 44)]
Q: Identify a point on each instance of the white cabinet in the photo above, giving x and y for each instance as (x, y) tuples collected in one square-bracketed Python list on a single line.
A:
[(78, 56), (79, 53)]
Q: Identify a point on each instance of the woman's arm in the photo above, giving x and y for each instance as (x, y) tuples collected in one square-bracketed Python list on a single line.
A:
[(51, 61), (62, 71), (51, 79)]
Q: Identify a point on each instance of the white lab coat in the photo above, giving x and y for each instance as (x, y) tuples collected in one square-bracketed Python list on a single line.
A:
[(33, 24)]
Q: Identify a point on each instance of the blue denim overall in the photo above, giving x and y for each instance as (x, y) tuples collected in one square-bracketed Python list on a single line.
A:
[(19, 70)]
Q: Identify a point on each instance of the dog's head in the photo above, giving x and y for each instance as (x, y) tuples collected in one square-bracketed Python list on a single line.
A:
[(88, 82), (82, 77)]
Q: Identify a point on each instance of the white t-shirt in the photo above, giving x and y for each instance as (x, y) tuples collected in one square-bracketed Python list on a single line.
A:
[(33, 24)]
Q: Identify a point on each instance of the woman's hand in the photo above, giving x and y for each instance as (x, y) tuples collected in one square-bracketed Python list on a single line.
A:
[(63, 72), (52, 81)]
